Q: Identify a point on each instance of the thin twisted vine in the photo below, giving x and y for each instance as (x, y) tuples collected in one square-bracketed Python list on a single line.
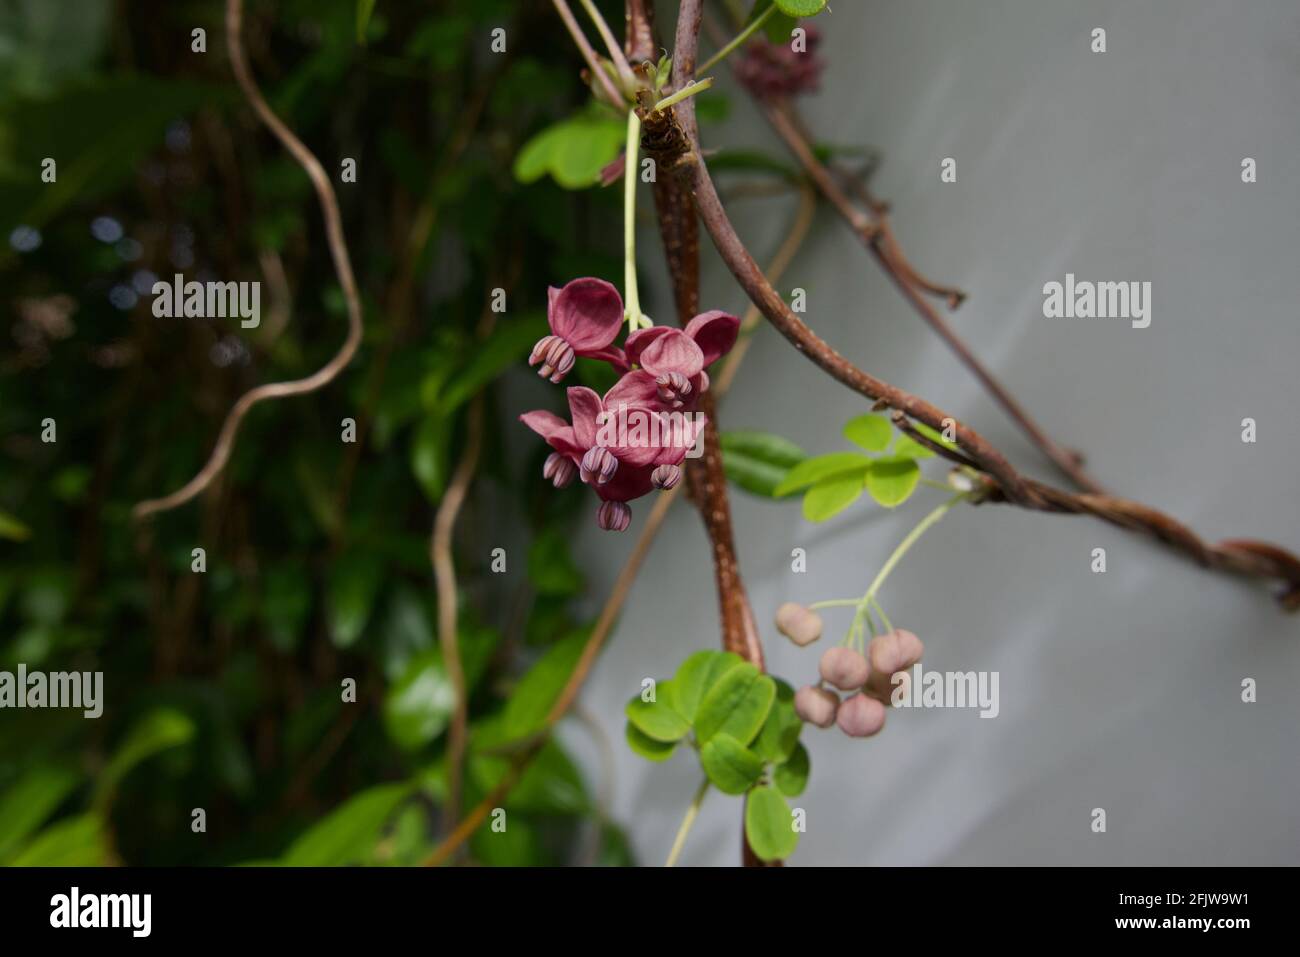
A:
[(342, 266)]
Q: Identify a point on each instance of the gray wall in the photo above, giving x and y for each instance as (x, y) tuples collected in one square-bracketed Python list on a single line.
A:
[(1119, 690)]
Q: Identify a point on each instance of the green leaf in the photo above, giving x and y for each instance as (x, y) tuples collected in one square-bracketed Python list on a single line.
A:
[(737, 705), (791, 777), (429, 455), (757, 461), (696, 675), (831, 496), (811, 471), (364, 9), (908, 447), (550, 785), (769, 825), (658, 719), (348, 834), (778, 25), (505, 347), (730, 766), (353, 586), (12, 529), (935, 436), (891, 481), (419, 705), (572, 151), (800, 8), (75, 842), (872, 432), (537, 691), (780, 732), (646, 746), (550, 565), (33, 798), (156, 732)]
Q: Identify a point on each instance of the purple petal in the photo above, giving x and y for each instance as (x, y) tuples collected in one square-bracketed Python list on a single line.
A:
[(588, 313), (674, 351), (585, 408), (715, 333)]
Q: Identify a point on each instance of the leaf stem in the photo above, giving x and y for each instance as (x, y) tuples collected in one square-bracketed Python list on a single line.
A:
[(740, 38), (692, 813), (692, 88), (632, 311), (911, 539)]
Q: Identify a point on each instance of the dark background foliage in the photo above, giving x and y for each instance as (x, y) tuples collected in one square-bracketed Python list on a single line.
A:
[(222, 689)]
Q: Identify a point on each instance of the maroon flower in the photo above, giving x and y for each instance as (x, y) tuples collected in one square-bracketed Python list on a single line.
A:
[(773, 70), (585, 317), (677, 357)]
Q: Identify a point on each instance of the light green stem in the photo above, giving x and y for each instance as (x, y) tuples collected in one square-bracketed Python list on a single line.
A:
[(632, 311), (740, 38), (921, 527), (698, 86), (692, 813)]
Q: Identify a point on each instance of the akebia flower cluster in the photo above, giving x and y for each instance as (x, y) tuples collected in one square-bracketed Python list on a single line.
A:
[(789, 68), (634, 438), (867, 677)]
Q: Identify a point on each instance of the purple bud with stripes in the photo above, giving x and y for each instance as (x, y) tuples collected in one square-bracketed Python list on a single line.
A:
[(666, 476), (559, 470), (556, 356), (673, 388), (614, 516), (598, 466)]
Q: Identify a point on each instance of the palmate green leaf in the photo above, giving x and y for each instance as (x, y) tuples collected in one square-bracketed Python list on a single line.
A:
[(658, 719), (696, 675), (780, 732), (831, 496), (791, 777), (27, 803), (758, 461), (769, 825), (813, 470), (418, 706), (648, 747), (573, 151), (908, 447), (731, 767), (891, 481), (737, 705), (348, 834), (872, 432)]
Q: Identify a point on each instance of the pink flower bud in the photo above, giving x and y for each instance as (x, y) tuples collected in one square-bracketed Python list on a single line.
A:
[(890, 653), (614, 516), (598, 466), (559, 470), (817, 706), (674, 387), (665, 476), (861, 717), (801, 625), (844, 668), (556, 356)]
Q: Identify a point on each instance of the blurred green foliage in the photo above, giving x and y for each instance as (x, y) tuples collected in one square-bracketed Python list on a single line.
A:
[(224, 690)]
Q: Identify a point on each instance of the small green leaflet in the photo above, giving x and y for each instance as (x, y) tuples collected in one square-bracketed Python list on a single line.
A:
[(811, 471), (769, 825), (731, 767), (891, 481)]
